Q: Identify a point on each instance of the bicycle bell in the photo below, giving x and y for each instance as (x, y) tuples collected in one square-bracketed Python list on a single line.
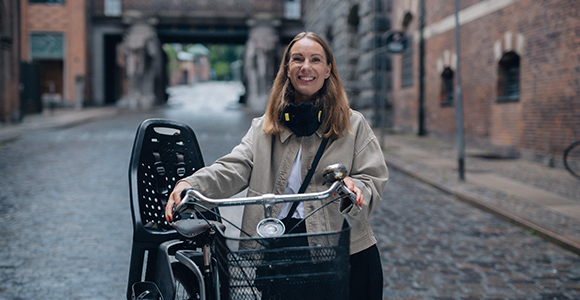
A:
[(334, 173), (270, 228)]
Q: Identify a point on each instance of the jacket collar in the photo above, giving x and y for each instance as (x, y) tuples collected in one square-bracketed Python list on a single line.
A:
[(287, 133)]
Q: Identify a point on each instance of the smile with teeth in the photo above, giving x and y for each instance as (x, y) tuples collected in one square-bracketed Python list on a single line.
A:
[(303, 78)]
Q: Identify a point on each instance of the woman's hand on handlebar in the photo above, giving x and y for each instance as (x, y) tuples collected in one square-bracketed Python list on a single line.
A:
[(175, 198), (349, 183)]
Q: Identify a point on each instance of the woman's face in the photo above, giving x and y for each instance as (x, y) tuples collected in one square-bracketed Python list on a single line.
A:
[(307, 69)]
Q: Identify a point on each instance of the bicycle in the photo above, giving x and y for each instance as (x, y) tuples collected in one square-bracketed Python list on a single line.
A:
[(193, 258), (572, 159)]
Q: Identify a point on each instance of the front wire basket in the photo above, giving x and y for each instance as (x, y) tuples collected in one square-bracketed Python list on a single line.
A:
[(285, 267)]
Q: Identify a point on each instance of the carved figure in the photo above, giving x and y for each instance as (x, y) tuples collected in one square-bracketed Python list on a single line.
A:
[(142, 61), (259, 61)]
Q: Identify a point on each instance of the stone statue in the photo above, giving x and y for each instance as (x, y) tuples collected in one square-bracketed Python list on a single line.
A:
[(142, 61), (260, 62)]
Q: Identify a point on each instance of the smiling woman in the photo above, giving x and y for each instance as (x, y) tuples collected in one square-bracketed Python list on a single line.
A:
[(308, 74), (308, 69), (307, 118)]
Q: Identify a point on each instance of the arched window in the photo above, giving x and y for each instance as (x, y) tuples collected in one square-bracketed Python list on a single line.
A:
[(407, 20), (353, 18), (329, 35), (352, 52), (407, 64), (508, 78), (353, 21), (446, 95)]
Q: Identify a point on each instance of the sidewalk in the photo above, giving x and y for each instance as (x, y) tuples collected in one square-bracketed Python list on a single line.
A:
[(58, 118), (545, 201)]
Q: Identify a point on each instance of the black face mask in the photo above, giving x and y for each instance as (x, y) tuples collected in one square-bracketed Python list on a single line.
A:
[(303, 119)]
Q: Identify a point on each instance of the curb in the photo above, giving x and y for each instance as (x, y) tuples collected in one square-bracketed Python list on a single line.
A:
[(549, 235)]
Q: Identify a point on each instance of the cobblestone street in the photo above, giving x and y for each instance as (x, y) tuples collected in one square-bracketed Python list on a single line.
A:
[(66, 220), (435, 247)]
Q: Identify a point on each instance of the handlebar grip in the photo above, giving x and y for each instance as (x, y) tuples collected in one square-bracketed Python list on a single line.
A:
[(350, 195), (180, 207), (184, 193)]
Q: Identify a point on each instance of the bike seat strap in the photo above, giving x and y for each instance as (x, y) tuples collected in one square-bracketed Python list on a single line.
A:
[(193, 227)]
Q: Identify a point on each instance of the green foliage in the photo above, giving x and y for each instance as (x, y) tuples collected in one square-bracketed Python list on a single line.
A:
[(172, 63), (222, 70), (220, 58)]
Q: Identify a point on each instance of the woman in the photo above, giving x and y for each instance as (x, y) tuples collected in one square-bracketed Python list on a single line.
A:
[(307, 104)]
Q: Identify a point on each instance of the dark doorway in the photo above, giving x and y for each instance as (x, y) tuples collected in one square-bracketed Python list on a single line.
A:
[(30, 102), (113, 74), (51, 74)]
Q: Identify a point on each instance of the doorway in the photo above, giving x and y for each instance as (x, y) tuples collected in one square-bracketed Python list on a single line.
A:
[(51, 74)]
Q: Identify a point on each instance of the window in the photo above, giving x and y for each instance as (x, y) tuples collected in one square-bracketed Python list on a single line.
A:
[(407, 65), (352, 51), (113, 8), (446, 95), (329, 35), (352, 29), (508, 79), (47, 45), (292, 9)]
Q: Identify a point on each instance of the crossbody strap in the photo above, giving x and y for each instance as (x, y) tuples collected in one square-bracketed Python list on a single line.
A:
[(309, 175)]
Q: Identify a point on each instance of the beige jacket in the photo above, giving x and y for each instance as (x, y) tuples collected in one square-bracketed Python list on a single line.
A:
[(262, 163)]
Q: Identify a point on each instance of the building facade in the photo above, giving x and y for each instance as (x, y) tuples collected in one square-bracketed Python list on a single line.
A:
[(262, 26), (9, 61), (353, 29), (193, 66), (54, 41), (520, 70)]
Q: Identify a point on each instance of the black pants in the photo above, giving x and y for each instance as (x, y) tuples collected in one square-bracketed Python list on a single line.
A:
[(289, 223), (366, 275), (366, 270)]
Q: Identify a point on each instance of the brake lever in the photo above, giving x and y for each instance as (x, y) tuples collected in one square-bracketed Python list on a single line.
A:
[(345, 192), (338, 172)]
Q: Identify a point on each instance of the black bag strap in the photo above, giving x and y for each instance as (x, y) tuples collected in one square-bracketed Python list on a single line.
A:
[(309, 175)]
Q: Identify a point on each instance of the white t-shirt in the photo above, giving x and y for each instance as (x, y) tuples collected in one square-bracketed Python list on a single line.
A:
[(293, 186)]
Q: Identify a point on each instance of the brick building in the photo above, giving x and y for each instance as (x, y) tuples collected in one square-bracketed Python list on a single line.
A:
[(193, 66), (9, 61), (520, 72), (54, 40)]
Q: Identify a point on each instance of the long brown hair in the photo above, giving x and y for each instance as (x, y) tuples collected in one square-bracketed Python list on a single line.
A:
[(331, 97)]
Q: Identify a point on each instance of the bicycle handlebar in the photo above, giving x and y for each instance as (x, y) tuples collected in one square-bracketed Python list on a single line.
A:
[(272, 227), (333, 173), (195, 198)]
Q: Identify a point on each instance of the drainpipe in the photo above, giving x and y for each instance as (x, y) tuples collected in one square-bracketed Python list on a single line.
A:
[(459, 107), (421, 112)]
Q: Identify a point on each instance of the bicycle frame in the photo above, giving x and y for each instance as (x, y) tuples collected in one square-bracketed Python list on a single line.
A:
[(186, 253)]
